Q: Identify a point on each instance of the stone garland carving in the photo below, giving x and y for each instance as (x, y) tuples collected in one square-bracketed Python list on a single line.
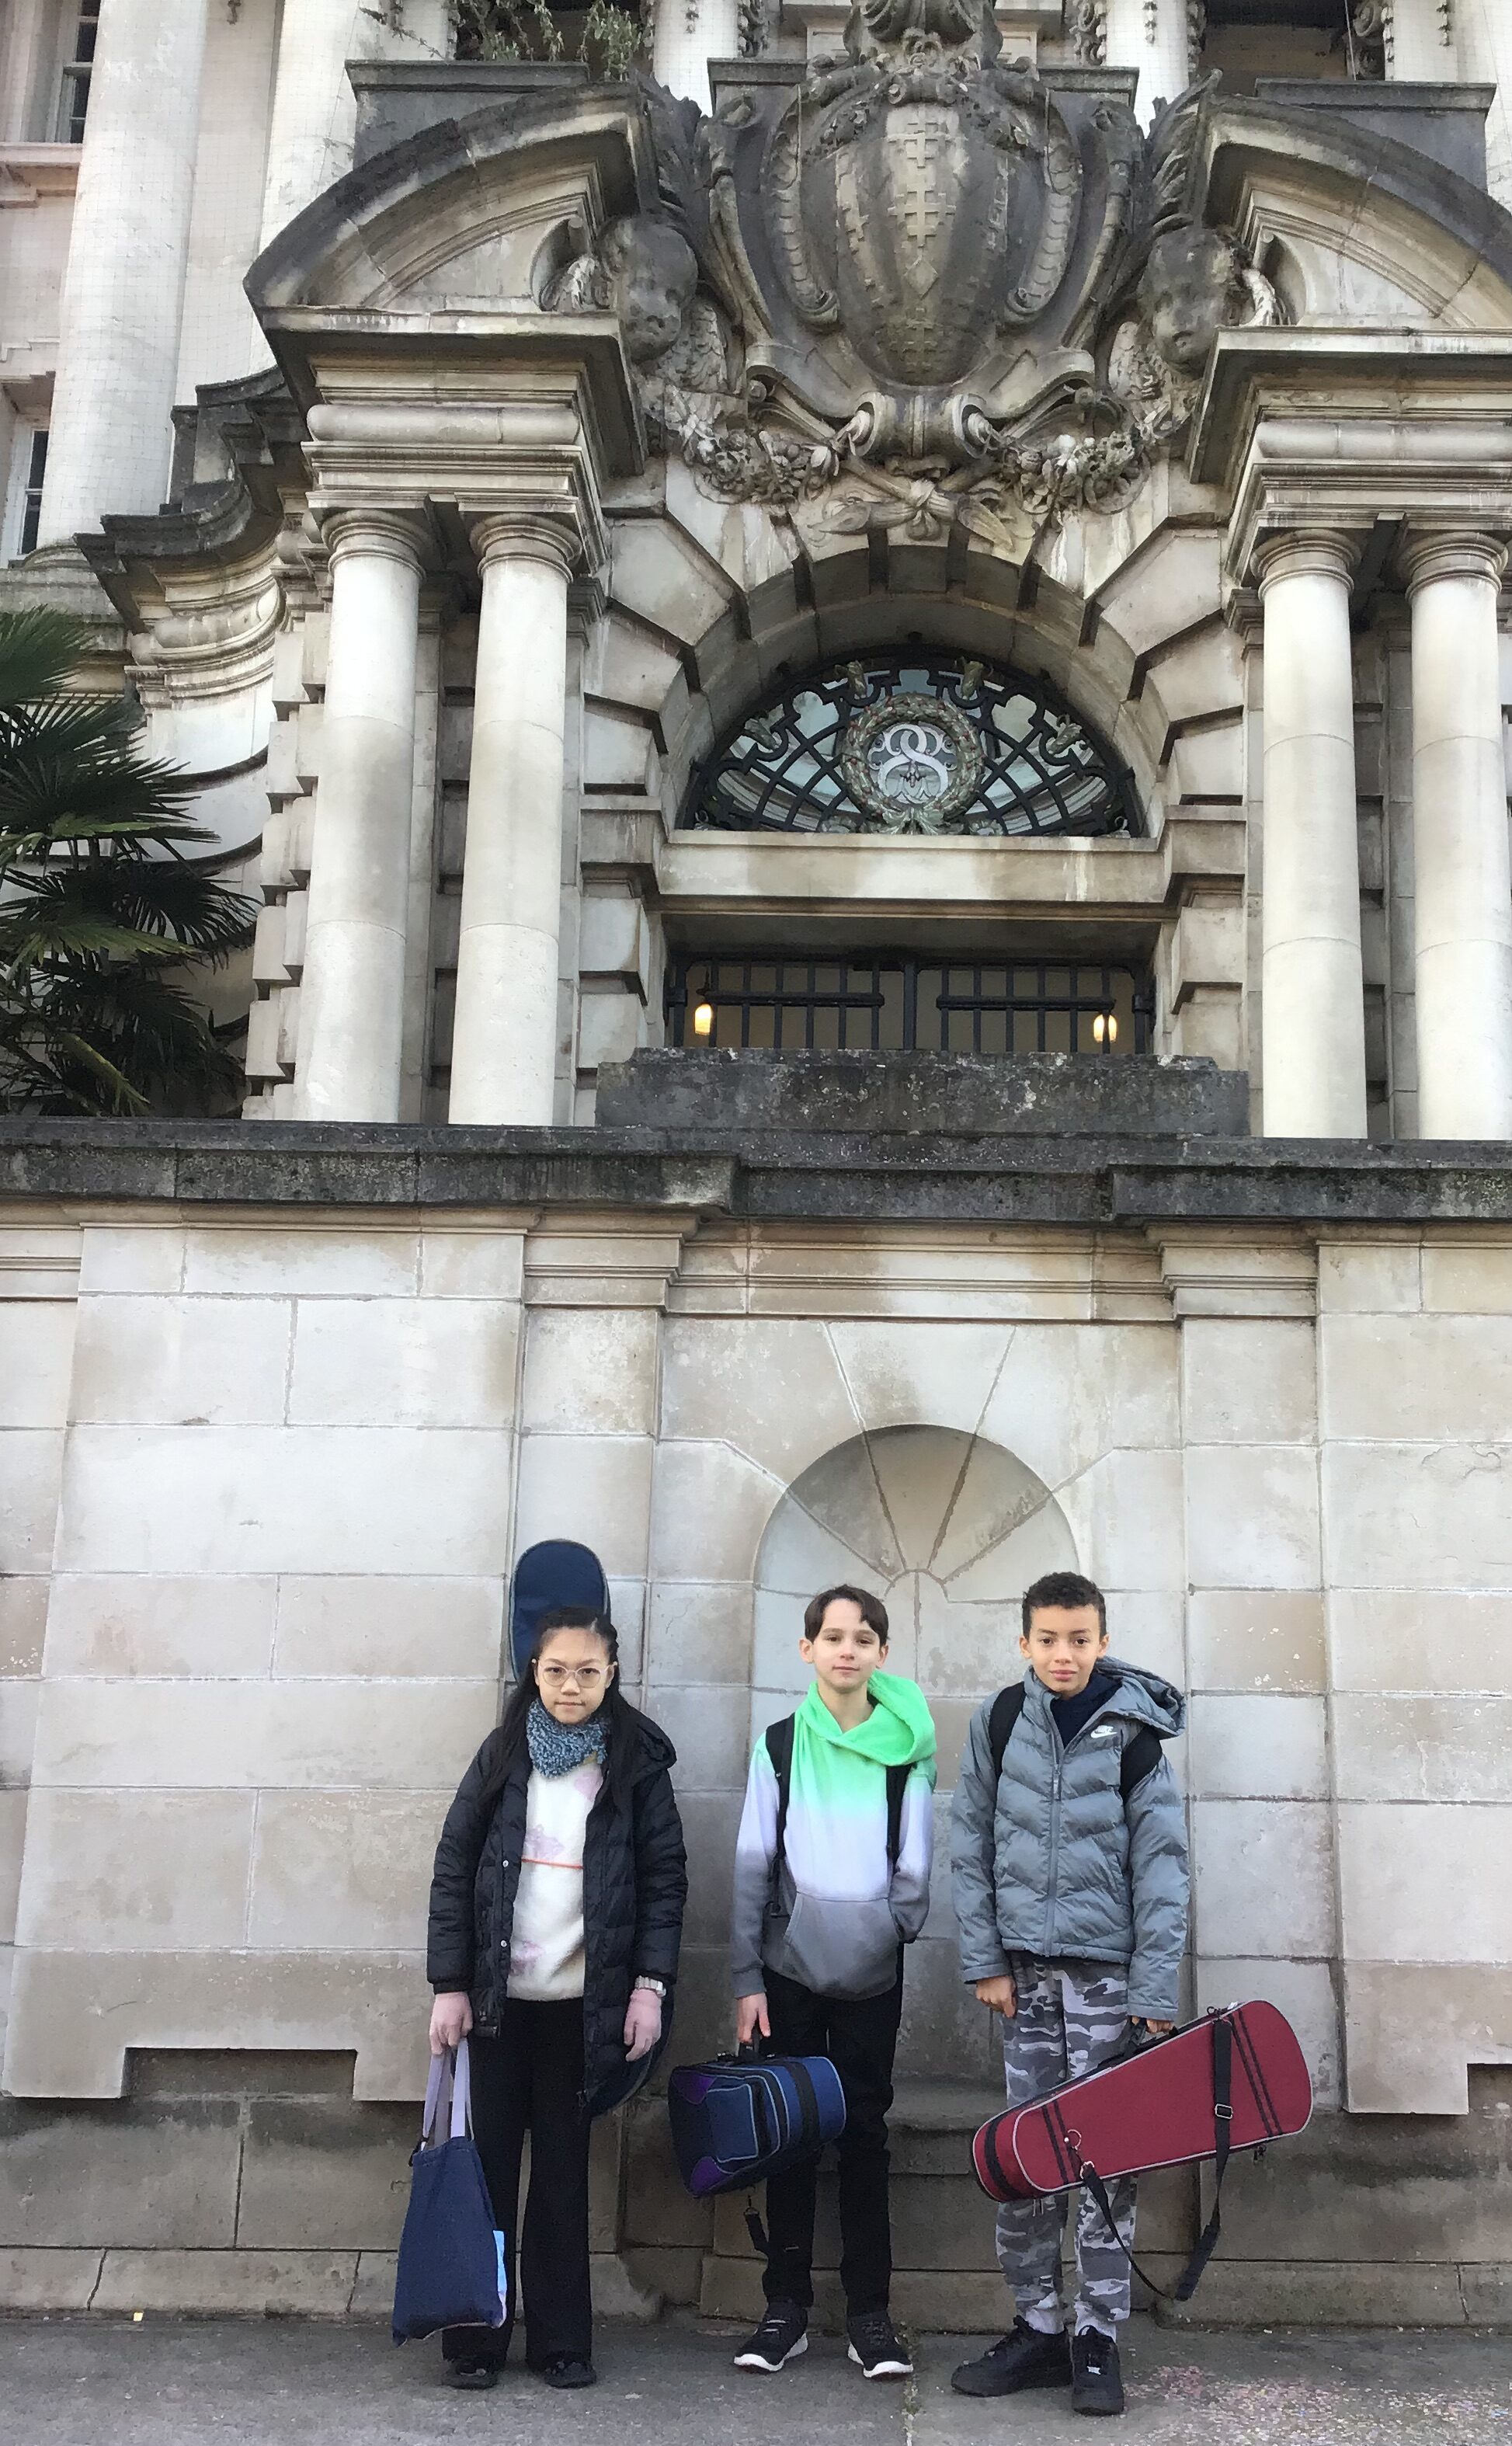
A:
[(1196, 35), (1087, 32), (918, 293), (1372, 38)]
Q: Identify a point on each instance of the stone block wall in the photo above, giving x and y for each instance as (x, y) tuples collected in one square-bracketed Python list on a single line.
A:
[(264, 1476)]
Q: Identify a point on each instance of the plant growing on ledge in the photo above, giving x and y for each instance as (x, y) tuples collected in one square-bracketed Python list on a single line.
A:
[(606, 39), (98, 902)]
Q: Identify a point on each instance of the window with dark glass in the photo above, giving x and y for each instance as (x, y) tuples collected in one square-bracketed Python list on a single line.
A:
[(1249, 39), (899, 1003), (939, 744), (31, 493), (73, 100)]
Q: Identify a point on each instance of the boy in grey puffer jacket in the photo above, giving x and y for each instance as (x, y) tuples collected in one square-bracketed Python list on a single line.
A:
[(1070, 1882)]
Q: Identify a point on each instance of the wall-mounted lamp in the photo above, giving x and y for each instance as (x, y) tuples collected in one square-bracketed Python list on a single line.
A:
[(1105, 1029), (704, 1018)]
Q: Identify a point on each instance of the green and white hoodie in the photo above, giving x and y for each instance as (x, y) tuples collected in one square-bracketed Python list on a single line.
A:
[(840, 1913)]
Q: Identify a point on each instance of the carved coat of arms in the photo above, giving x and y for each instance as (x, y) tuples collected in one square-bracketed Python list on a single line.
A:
[(920, 284)]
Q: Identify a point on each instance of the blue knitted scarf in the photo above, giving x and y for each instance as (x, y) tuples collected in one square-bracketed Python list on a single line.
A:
[(556, 1749)]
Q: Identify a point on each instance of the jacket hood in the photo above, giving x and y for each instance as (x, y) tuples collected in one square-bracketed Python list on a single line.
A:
[(1145, 1697), (655, 1749)]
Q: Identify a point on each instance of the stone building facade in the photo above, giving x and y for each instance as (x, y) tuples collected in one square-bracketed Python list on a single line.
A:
[(865, 683)]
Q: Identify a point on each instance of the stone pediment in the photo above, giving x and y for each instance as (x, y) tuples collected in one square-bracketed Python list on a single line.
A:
[(914, 285)]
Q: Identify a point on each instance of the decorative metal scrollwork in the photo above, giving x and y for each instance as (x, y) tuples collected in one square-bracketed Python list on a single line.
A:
[(937, 744)]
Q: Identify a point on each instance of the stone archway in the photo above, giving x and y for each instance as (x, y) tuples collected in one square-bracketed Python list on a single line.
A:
[(946, 1527), (949, 1529)]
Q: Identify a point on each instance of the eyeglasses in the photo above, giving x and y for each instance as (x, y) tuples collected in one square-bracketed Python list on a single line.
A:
[(582, 1677)]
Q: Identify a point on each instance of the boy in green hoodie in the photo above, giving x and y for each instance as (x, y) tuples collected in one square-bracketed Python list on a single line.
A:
[(828, 1888)]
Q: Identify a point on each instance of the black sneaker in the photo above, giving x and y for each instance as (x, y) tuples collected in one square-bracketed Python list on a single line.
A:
[(1024, 2358), (875, 2346), (471, 2375), (565, 2369), (1095, 2385), (781, 2336)]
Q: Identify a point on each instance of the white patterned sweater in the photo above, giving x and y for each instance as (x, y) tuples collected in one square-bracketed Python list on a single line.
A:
[(546, 1950)]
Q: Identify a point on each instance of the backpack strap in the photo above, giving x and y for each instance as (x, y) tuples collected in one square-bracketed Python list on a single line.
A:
[(1140, 1754), (779, 1750), (897, 1787), (1141, 1758), (1006, 1709)]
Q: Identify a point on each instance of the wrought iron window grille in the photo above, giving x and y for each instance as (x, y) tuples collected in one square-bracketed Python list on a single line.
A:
[(938, 744), (900, 1002)]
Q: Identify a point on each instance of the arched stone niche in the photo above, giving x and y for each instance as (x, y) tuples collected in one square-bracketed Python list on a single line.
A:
[(949, 1530)]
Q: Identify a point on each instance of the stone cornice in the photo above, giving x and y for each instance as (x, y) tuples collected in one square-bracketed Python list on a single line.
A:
[(1253, 372), (1083, 1183), (473, 362), (1345, 430), (518, 417)]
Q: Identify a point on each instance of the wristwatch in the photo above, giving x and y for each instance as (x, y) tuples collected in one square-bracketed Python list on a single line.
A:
[(653, 1987)]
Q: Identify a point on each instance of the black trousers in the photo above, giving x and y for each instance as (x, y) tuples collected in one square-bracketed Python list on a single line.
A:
[(530, 2078), (860, 2041)]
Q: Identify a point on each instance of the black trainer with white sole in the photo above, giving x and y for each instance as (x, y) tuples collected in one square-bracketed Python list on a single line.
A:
[(781, 2336), (876, 2345)]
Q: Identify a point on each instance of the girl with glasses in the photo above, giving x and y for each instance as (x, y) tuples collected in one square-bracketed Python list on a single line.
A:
[(556, 1912)]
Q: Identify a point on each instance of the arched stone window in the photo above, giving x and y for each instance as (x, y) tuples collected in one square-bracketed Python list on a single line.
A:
[(915, 741)]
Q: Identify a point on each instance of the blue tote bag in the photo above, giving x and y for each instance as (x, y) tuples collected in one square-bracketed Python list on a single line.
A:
[(451, 2254)]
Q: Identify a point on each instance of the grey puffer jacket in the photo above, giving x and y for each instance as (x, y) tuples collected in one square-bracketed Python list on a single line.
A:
[(1048, 1859)]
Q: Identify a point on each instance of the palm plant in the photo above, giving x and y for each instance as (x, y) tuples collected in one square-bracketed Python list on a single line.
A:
[(98, 902)]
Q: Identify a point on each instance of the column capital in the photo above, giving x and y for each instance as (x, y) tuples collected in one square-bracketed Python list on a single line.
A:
[(1427, 555), (552, 537), (376, 534), (1305, 551)]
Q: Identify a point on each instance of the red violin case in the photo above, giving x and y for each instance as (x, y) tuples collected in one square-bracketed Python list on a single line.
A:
[(1235, 2080)]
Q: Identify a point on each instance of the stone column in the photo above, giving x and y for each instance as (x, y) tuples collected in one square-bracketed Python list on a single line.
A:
[(1313, 1021), (504, 1044), (124, 287), (688, 34), (1153, 36), (1462, 864), (1421, 50), (351, 1004), (314, 113), (1483, 36)]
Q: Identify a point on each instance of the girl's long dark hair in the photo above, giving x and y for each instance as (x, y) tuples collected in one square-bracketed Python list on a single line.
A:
[(624, 1721)]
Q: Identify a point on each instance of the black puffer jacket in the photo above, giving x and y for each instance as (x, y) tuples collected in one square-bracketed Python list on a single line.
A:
[(635, 1884)]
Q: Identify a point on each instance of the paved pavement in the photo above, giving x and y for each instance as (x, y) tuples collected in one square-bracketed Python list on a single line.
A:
[(102, 2382), (1289, 2387)]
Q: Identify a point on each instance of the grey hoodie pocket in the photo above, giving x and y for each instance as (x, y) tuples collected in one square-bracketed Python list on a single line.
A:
[(837, 1947)]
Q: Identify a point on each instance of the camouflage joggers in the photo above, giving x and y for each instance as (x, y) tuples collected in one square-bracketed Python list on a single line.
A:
[(1071, 2017)]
